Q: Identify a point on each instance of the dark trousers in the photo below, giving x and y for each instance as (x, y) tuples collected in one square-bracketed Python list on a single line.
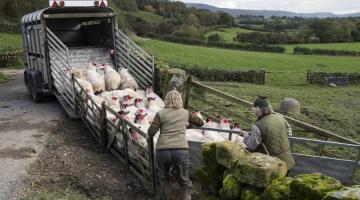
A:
[(179, 161)]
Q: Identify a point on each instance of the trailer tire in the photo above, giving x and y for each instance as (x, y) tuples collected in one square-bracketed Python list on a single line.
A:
[(35, 83), (35, 96), (26, 80)]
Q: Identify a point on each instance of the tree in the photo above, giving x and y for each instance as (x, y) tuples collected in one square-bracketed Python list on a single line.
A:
[(166, 28), (128, 5), (149, 8), (215, 38), (322, 28), (193, 20), (226, 19)]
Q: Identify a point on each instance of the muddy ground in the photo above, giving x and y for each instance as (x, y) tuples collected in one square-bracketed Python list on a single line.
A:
[(73, 159), (41, 149)]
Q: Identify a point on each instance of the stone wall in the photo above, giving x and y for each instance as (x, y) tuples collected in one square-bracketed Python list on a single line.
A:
[(230, 172), (319, 77), (167, 78)]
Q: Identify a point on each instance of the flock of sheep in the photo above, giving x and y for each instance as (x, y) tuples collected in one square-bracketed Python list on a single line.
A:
[(120, 91)]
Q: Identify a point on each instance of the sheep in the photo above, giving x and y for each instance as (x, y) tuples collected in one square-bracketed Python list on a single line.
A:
[(139, 103), (127, 81), (112, 100), (213, 136), (129, 108), (96, 80), (149, 115), (152, 106), (224, 125), (142, 123), (112, 78), (235, 137), (150, 93), (78, 73), (194, 135), (98, 100), (86, 85)]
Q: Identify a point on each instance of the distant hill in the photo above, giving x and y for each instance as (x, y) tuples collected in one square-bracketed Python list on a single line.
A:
[(268, 13)]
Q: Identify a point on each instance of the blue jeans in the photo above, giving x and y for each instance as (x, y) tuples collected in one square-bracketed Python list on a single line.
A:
[(179, 160)]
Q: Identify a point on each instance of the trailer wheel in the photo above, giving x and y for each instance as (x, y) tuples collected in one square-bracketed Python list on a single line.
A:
[(26, 80), (34, 95)]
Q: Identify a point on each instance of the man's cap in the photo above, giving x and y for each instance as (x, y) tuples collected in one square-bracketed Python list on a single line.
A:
[(261, 102)]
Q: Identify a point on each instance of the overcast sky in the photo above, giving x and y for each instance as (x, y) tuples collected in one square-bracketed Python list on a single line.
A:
[(304, 6)]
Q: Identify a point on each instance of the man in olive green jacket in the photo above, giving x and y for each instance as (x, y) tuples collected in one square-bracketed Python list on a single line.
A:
[(172, 146), (269, 135)]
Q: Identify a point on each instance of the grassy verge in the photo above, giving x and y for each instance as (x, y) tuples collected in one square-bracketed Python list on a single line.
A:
[(12, 40), (3, 78)]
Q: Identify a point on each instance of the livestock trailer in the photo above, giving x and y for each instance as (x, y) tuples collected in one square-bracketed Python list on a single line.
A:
[(70, 34)]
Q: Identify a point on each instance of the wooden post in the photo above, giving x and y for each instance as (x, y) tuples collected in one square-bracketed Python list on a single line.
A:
[(188, 89), (125, 139), (73, 93), (152, 164), (103, 132)]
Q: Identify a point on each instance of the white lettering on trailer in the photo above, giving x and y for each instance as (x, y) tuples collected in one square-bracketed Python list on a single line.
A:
[(78, 3)]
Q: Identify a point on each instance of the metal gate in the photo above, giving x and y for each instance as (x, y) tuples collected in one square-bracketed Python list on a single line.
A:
[(139, 63)]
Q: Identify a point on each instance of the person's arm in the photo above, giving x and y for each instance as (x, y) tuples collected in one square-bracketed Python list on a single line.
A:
[(253, 140), (154, 127), (288, 128), (195, 120)]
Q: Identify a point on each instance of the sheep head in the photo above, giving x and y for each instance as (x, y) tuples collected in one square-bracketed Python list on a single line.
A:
[(151, 98)]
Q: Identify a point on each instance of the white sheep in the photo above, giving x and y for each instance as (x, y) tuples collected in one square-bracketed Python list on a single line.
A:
[(150, 93), (213, 136), (127, 81), (98, 100), (112, 78), (224, 125), (112, 100), (194, 135), (152, 106), (139, 103), (96, 80), (86, 85), (78, 73)]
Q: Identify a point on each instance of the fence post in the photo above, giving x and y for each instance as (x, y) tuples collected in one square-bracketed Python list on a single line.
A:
[(73, 93), (309, 76), (152, 164), (103, 139), (263, 77), (125, 139), (188, 89)]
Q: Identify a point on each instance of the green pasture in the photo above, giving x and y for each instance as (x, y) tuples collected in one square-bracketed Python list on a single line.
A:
[(3, 78), (227, 33), (149, 17), (333, 109), (282, 68), (10, 40)]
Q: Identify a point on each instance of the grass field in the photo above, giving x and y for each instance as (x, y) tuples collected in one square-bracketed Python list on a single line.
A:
[(350, 46), (287, 67), (330, 108), (228, 33), (149, 17), (10, 40), (3, 78)]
